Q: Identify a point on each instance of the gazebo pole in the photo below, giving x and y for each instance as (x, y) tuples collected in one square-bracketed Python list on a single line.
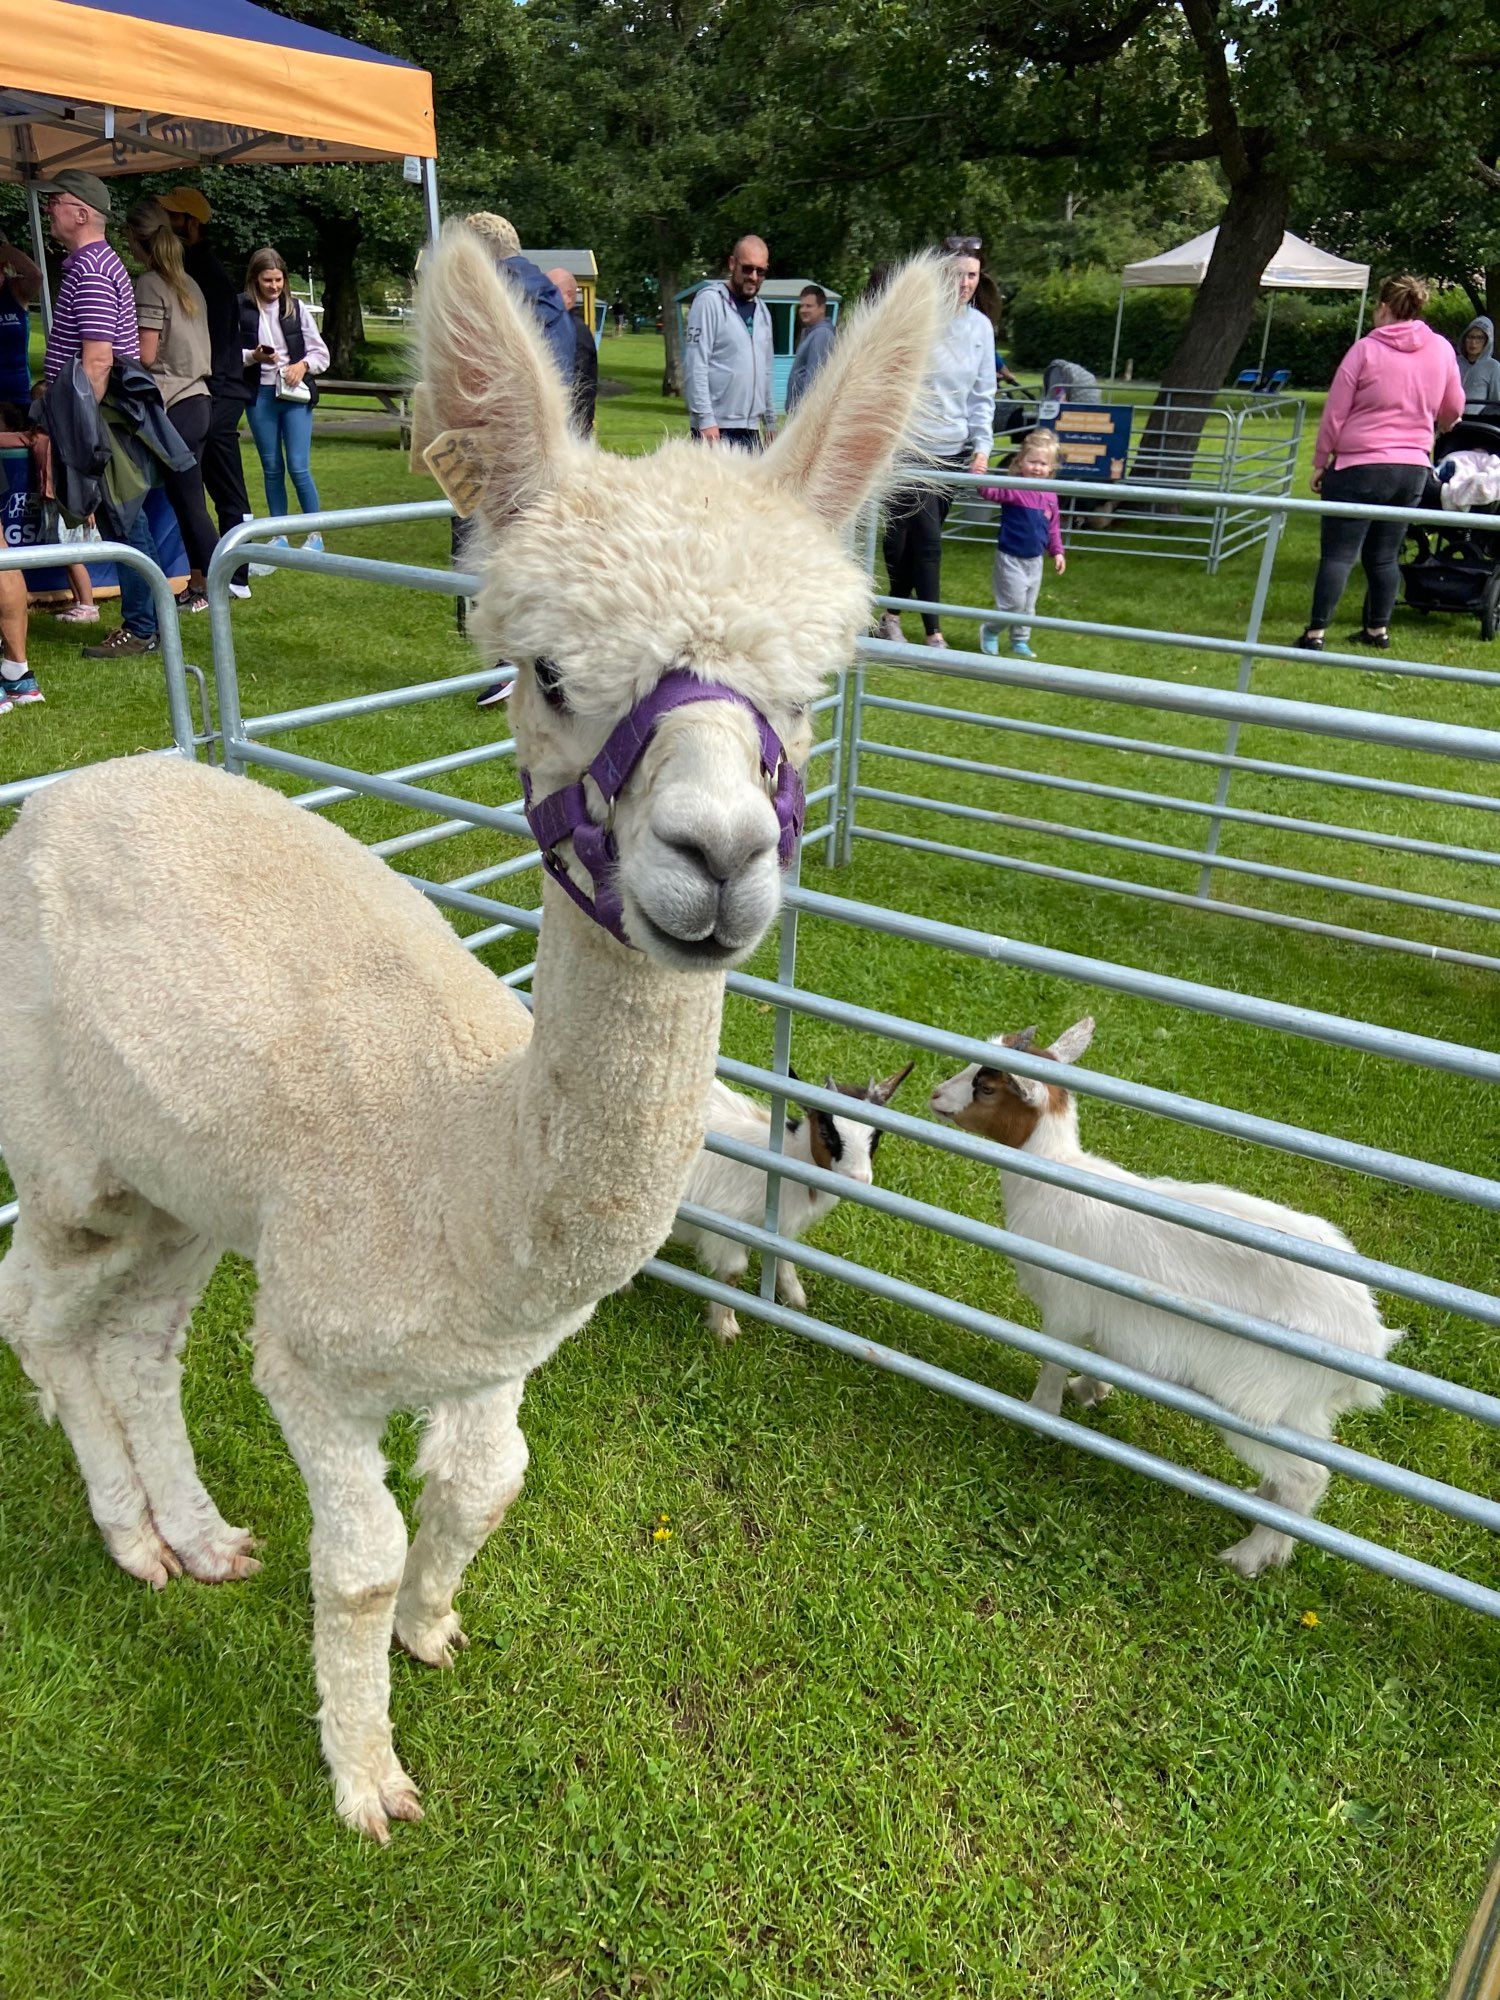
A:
[(1265, 339), (430, 200), (1114, 359), (39, 249), (1364, 295)]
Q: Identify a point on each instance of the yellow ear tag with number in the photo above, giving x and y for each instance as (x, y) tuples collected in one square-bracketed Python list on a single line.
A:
[(455, 461)]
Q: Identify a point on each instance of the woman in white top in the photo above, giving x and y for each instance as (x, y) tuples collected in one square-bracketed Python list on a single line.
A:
[(283, 349), (956, 429)]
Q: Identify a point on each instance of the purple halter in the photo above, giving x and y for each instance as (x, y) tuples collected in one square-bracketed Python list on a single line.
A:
[(564, 815)]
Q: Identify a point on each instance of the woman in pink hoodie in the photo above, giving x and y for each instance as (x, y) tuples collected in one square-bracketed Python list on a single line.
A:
[(1375, 445)]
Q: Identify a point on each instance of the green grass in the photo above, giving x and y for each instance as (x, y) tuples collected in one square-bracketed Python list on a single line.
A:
[(912, 1702)]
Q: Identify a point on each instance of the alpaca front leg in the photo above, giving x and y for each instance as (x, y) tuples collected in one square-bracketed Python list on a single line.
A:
[(474, 1458), (357, 1549)]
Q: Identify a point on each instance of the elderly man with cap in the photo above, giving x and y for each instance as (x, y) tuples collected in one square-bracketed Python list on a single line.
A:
[(94, 322), (228, 386), (585, 376)]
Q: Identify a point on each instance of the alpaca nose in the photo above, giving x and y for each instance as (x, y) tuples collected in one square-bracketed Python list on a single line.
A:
[(718, 841)]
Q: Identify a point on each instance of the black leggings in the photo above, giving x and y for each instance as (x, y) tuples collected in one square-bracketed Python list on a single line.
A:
[(1374, 543), (190, 419), (913, 546)]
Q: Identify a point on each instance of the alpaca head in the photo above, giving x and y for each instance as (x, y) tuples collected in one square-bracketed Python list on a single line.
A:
[(601, 574)]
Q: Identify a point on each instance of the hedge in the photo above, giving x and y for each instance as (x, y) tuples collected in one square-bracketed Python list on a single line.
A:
[(1072, 316)]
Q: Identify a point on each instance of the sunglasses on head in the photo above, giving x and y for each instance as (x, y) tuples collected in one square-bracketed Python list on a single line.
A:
[(970, 245)]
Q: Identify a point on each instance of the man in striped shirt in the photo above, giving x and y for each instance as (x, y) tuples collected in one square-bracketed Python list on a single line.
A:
[(94, 321)]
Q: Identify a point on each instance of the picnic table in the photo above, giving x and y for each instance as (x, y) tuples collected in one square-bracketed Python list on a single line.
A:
[(392, 397)]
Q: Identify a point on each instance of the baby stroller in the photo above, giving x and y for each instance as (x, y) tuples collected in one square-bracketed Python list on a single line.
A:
[(1448, 566)]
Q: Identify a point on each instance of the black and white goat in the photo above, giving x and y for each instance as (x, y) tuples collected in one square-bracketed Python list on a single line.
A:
[(844, 1146), (1258, 1383)]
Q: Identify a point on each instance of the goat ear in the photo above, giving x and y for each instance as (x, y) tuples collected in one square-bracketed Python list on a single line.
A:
[(1072, 1042), (885, 1090), (836, 453), (489, 382), (1027, 1089)]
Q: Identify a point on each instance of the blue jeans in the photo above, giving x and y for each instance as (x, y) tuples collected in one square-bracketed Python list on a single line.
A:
[(279, 427), (137, 610)]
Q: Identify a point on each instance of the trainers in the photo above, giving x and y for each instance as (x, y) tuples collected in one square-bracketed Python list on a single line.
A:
[(989, 639), (269, 569), (240, 590), (79, 614), (20, 692), (1020, 650), (494, 694), (890, 628), (121, 644), (315, 543), (935, 639), (6, 704), (191, 600)]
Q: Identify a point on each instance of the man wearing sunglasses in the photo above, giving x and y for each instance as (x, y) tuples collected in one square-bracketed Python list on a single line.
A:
[(726, 363)]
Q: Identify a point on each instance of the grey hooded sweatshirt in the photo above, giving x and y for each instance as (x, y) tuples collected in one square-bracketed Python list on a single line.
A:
[(726, 365), (1481, 378)]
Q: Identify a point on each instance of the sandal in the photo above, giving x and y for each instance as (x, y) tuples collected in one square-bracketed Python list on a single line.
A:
[(1308, 644), (1365, 637)]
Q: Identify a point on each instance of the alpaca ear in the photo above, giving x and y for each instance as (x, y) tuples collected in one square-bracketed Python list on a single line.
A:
[(836, 452), (1072, 1042), (885, 1090), (490, 391)]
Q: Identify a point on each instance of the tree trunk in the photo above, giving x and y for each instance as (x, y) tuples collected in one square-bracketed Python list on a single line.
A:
[(1250, 233), (669, 279), (1492, 291), (343, 323)]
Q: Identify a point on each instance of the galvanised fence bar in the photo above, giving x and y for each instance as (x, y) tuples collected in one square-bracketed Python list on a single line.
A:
[(1413, 872), (185, 738), (1230, 442), (481, 895)]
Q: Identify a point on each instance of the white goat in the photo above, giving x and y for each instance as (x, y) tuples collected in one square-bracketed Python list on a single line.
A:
[(843, 1146), (1257, 1383)]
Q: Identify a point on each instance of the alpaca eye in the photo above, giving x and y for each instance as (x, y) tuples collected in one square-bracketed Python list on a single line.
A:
[(549, 680)]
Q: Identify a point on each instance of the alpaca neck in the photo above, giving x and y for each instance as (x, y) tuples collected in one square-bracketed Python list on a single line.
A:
[(604, 1115)]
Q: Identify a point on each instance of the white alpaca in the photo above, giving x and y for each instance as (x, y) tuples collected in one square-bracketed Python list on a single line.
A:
[(230, 1026), (844, 1146), (1259, 1384)]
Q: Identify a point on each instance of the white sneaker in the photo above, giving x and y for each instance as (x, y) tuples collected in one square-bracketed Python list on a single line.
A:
[(269, 569), (314, 542), (240, 590)]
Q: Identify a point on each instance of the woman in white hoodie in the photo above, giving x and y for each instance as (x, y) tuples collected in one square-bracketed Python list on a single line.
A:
[(956, 430)]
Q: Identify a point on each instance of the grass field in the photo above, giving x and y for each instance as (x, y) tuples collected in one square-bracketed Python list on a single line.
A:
[(911, 1702)]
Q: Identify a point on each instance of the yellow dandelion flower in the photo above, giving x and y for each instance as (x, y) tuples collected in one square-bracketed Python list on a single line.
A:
[(661, 1534), (1310, 1618)]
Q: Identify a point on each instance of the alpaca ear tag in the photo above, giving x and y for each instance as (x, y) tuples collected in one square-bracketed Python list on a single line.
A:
[(455, 460)]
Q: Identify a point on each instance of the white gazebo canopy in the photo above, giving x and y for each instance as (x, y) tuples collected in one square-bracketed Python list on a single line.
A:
[(1296, 267)]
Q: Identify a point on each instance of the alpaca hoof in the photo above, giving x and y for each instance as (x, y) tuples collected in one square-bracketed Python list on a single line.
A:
[(725, 1325), (369, 1808), (141, 1552), (435, 1644), (220, 1558), (1088, 1392)]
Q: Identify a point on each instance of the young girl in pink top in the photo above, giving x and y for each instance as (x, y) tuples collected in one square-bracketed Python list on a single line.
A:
[(1029, 529), (1375, 444)]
